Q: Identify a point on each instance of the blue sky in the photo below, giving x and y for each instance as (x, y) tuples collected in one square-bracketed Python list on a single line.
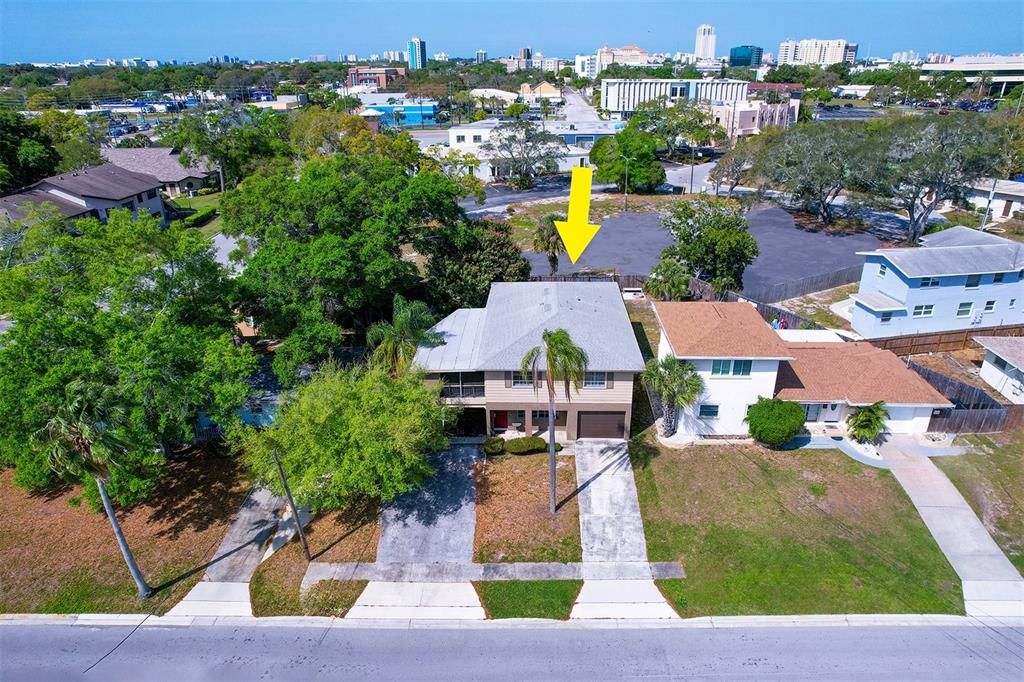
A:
[(57, 30)]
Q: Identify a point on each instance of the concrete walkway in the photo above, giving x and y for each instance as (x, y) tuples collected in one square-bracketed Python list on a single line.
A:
[(612, 533), (224, 589), (431, 528), (992, 586)]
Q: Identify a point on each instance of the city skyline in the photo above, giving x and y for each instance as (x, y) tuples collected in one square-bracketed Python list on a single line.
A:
[(55, 31)]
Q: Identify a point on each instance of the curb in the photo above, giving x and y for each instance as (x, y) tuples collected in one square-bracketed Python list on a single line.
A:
[(706, 622)]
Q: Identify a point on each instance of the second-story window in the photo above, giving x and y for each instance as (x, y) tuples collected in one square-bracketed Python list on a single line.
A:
[(886, 318), (923, 310), (990, 306), (478, 138), (741, 368), (595, 380), (520, 380), (973, 281), (998, 277), (721, 368), (882, 270), (964, 309), (929, 282)]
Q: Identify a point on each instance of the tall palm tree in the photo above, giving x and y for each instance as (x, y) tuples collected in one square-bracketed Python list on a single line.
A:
[(546, 240), (676, 383), (562, 361), (81, 439), (394, 343), (867, 422)]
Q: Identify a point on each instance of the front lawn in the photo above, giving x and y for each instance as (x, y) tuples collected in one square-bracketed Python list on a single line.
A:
[(59, 556), (198, 203), (991, 479), (342, 537), (796, 532), (513, 523), (528, 598)]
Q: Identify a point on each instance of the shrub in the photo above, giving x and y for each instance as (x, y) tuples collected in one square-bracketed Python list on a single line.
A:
[(867, 422), (201, 217), (206, 191), (528, 445), (775, 422), (494, 446)]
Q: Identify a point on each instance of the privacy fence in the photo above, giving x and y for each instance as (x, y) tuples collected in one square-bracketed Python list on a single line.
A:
[(939, 342), (973, 411)]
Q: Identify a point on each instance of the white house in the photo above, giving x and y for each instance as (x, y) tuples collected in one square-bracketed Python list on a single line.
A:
[(1007, 198), (1002, 367), (740, 358), (470, 137)]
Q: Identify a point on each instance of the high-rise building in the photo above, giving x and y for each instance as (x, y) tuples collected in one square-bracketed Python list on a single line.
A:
[(441, 56), (526, 52), (705, 47), (481, 56), (746, 55), (417, 53), (814, 51)]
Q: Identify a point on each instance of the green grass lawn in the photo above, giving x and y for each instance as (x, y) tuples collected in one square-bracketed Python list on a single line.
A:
[(991, 479), (197, 204), (528, 598), (797, 532)]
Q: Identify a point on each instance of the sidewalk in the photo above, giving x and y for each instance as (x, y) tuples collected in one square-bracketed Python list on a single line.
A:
[(992, 586), (613, 536)]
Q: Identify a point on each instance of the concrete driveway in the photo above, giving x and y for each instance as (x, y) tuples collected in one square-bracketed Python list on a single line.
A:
[(434, 524)]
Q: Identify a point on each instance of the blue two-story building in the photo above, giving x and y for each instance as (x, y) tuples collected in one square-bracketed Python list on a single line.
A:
[(396, 109), (959, 278)]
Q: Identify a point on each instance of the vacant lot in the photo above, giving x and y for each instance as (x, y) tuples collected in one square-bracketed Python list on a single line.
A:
[(768, 532), (816, 306), (991, 479), (528, 598), (59, 556), (343, 537), (524, 218), (512, 519)]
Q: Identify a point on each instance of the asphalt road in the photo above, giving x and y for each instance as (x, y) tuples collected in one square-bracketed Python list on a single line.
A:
[(59, 652), (576, 107)]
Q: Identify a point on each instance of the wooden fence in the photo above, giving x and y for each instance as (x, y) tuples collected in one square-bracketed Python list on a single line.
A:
[(973, 411), (937, 342), (624, 281)]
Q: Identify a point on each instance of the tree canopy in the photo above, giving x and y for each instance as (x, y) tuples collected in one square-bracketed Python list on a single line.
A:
[(26, 153), (629, 152), (712, 241), (521, 149)]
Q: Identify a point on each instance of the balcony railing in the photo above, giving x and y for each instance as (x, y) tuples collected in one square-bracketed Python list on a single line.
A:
[(463, 392)]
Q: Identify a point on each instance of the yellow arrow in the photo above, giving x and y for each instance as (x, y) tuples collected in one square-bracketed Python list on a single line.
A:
[(576, 231)]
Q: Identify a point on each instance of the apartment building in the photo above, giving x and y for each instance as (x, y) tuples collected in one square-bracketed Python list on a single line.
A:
[(621, 96), (813, 51)]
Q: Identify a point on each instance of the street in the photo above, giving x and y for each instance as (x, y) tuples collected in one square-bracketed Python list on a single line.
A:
[(576, 108), (60, 652)]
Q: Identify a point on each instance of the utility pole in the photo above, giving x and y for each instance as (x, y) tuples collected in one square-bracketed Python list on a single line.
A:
[(291, 503), (992, 191)]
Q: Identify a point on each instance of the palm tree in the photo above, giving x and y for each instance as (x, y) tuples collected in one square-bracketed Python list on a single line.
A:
[(565, 362), (546, 240), (394, 343), (867, 422), (81, 440), (676, 383), (668, 281)]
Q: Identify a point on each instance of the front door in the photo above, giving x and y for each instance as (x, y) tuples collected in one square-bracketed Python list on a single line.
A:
[(812, 410), (832, 413), (501, 419)]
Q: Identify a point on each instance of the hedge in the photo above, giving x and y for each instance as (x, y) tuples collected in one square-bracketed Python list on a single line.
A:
[(528, 445), (201, 217), (494, 446)]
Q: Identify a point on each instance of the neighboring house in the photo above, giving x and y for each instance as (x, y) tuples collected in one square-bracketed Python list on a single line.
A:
[(1003, 366), (960, 278), (480, 359), (533, 94), (1007, 198), (740, 358), (91, 192), (164, 164), (282, 102), (494, 93)]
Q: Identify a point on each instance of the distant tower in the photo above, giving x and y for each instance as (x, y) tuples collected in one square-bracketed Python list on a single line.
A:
[(481, 56), (417, 53), (705, 47), (526, 53)]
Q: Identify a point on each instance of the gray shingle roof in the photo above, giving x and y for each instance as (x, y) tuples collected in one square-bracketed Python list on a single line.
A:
[(1009, 348), (964, 251), (102, 182), (17, 206), (517, 313), (160, 162)]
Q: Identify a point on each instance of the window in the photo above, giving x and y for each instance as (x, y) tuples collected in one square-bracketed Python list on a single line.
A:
[(973, 281), (741, 368), (998, 362), (721, 368), (962, 310), (882, 270), (1012, 303), (478, 138), (990, 306), (130, 205), (929, 282), (151, 194), (460, 138), (998, 277), (520, 380), (595, 380), (923, 310), (886, 318), (708, 412), (138, 197)]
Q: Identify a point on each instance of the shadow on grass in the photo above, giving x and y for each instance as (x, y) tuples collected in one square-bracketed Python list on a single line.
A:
[(353, 518), (641, 339), (642, 451)]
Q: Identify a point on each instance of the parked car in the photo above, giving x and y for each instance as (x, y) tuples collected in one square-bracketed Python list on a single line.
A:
[(848, 106)]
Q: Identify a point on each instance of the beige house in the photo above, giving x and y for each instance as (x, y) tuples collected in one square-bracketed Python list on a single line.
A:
[(479, 361), (543, 90)]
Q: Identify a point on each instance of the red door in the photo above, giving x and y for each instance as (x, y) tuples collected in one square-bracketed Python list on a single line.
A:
[(501, 419)]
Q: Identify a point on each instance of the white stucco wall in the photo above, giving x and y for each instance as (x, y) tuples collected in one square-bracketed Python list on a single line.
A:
[(1008, 382), (732, 394)]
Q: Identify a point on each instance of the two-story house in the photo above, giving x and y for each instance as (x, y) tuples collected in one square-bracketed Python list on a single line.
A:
[(740, 358), (959, 278), (480, 359), (89, 193)]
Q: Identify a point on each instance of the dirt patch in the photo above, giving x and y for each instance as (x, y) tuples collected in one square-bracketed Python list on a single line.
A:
[(962, 365), (512, 519), (58, 556), (816, 306), (805, 220)]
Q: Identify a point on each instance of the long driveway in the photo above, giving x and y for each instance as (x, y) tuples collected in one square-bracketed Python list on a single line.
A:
[(991, 584)]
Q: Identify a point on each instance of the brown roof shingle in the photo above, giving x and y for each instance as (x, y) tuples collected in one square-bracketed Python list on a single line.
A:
[(854, 372), (700, 329)]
